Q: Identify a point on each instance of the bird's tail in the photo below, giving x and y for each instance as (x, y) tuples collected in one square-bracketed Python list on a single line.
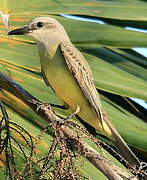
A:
[(121, 146), (123, 149)]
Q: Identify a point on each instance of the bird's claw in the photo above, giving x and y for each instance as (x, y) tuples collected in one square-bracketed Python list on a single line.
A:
[(63, 121), (42, 105), (143, 165), (77, 110)]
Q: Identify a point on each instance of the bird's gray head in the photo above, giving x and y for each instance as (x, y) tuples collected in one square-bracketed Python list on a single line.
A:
[(42, 29)]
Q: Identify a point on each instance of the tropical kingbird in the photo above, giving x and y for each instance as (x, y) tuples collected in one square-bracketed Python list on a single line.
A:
[(67, 72)]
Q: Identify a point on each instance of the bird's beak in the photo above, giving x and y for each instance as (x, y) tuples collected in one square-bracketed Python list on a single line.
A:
[(20, 31)]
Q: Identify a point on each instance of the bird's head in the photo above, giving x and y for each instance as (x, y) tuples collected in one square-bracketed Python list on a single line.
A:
[(42, 29)]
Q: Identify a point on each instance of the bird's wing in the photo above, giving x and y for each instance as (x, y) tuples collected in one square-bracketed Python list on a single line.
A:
[(83, 76)]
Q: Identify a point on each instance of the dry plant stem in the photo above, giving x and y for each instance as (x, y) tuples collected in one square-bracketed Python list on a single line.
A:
[(95, 158), (99, 161)]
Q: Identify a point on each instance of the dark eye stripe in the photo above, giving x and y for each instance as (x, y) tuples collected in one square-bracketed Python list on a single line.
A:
[(40, 24)]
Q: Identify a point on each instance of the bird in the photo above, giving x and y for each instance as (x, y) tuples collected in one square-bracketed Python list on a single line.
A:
[(67, 72)]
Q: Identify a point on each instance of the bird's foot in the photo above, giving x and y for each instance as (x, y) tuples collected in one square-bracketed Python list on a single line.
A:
[(63, 121), (48, 105), (77, 110), (143, 166), (42, 105)]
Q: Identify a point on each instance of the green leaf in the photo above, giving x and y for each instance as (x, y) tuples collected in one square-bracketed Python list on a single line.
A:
[(132, 129), (124, 23), (108, 9), (101, 34)]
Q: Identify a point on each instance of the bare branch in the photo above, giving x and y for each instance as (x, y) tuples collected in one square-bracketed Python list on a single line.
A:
[(47, 113)]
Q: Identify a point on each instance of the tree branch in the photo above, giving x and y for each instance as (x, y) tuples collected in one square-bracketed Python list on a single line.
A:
[(99, 161)]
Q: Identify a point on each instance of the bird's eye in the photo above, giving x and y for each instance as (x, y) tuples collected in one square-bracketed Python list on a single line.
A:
[(40, 24)]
